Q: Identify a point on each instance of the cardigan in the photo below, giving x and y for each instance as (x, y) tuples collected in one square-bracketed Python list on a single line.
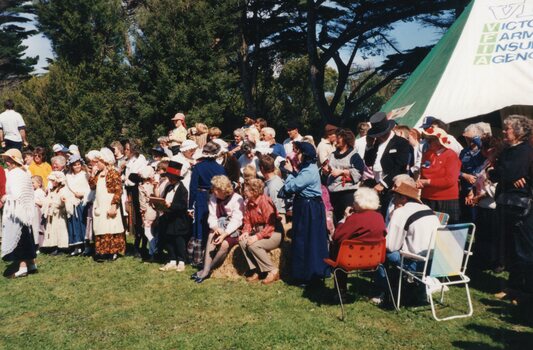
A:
[(442, 169)]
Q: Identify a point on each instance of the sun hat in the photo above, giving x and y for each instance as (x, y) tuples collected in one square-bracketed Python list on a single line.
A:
[(14, 154), (223, 145), (107, 156), (407, 190), (210, 150), (438, 133), (147, 172), (380, 125), (263, 147), (57, 176), (187, 145), (74, 158), (179, 116), (92, 155), (73, 149)]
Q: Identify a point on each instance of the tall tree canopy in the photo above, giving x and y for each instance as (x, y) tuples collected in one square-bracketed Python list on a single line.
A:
[(13, 66)]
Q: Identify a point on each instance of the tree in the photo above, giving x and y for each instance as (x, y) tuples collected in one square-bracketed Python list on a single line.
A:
[(362, 28), (13, 66), (184, 61)]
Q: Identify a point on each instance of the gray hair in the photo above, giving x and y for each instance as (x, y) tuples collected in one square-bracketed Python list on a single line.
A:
[(403, 178), (366, 198), (60, 160), (269, 131), (475, 130), (239, 132), (520, 124)]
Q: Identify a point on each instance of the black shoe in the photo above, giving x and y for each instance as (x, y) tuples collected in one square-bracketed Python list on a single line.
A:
[(55, 252), (194, 275), (201, 279)]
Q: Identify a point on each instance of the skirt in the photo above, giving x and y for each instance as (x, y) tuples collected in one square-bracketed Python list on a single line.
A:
[(450, 207), (200, 228), (309, 246), (76, 225), (110, 243), (25, 249)]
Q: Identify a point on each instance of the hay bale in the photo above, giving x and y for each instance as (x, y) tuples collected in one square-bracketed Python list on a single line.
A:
[(235, 264)]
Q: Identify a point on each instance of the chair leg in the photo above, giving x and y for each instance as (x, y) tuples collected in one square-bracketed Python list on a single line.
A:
[(339, 292), (400, 286), (390, 288), (470, 307)]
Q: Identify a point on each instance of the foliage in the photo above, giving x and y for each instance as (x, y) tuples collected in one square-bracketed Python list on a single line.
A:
[(13, 66), (75, 303), (183, 60)]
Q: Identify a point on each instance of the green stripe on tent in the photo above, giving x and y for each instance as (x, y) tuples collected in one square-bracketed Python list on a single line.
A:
[(421, 85)]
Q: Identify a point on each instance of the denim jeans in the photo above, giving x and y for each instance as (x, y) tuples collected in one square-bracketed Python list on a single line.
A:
[(394, 259)]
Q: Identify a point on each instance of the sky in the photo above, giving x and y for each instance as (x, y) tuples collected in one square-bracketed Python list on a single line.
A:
[(407, 35)]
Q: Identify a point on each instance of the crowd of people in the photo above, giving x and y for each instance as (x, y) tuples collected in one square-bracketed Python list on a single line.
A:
[(194, 196)]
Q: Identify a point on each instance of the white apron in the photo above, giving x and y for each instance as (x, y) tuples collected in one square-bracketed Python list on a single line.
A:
[(102, 224)]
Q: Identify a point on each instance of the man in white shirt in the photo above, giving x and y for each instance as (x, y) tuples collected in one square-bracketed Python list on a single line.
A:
[(294, 135), (327, 144), (410, 228), (12, 128)]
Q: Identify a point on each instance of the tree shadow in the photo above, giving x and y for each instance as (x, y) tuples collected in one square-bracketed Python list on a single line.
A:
[(510, 339)]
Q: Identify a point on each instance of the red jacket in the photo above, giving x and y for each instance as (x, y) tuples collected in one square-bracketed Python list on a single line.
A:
[(442, 169)]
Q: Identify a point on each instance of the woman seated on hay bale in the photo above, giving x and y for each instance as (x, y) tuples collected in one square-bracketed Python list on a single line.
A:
[(226, 210), (261, 233)]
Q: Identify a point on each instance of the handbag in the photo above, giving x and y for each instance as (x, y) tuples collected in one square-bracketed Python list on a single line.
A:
[(516, 204)]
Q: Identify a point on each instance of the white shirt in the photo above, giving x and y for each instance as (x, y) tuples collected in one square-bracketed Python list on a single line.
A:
[(360, 146), (378, 170), (287, 144), (185, 169), (133, 166), (324, 149), (11, 122), (418, 236)]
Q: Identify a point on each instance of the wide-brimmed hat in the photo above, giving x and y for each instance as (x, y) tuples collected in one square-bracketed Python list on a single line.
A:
[(187, 145), (174, 168), (263, 147), (210, 150), (14, 154), (57, 176), (179, 116), (439, 134), (407, 190), (380, 125)]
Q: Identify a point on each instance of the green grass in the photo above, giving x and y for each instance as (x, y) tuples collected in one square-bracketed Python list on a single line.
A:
[(75, 303)]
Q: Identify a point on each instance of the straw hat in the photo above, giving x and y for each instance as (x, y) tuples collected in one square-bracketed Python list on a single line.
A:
[(15, 155), (407, 190), (210, 150)]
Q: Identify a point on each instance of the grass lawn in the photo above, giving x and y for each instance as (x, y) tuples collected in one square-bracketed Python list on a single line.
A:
[(75, 303)]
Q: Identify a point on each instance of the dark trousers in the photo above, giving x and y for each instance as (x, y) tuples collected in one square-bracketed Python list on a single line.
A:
[(340, 201), (176, 247), (13, 144)]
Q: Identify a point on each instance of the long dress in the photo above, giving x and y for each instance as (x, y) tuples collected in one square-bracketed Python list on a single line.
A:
[(109, 232), (17, 240), (55, 213), (76, 222), (309, 238)]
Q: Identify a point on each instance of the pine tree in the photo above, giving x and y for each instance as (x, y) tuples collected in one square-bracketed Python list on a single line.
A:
[(13, 66)]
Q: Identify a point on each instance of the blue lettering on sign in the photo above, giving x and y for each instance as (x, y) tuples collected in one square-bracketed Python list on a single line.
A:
[(510, 57)]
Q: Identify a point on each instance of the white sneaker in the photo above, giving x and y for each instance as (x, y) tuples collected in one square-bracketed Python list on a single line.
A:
[(169, 267), (180, 267), (22, 272), (378, 299)]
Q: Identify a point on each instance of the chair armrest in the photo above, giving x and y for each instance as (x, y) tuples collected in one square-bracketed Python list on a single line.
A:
[(330, 262), (412, 256)]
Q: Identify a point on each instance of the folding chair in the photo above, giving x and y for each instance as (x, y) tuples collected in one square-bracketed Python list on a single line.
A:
[(447, 259), (443, 217), (359, 257)]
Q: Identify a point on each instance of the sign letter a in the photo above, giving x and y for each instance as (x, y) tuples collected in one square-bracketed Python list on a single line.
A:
[(482, 60)]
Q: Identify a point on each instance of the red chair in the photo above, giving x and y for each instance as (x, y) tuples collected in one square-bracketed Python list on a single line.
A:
[(359, 257)]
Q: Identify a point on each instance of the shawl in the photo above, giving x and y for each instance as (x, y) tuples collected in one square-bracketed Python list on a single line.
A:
[(78, 183), (19, 206)]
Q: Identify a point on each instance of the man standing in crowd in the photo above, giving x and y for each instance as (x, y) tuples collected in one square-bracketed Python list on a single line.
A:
[(268, 134), (327, 144), (390, 154), (294, 135), (12, 128)]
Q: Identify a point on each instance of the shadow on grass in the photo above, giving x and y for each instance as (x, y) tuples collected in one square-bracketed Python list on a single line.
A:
[(487, 281), (521, 314), (510, 339), (10, 270)]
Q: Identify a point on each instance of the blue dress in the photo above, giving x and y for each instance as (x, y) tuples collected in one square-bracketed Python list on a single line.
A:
[(309, 245)]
